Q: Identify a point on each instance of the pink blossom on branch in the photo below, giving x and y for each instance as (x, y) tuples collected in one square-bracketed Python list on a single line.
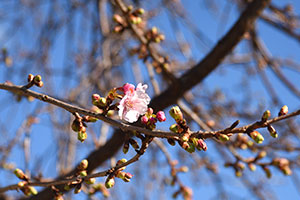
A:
[(134, 103)]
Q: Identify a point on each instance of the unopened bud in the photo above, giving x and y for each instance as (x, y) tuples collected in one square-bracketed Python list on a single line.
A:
[(176, 113), (90, 181), (134, 144), (283, 111), (40, 84), (95, 99), (266, 115), (252, 166), (83, 173), (257, 137), (238, 173), (261, 155), (185, 137), (174, 128), (126, 147), (22, 184), (191, 148), (272, 131), (20, 174), (127, 177), (32, 190), (77, 189), (160, 115), (144, 119), (67, 187), (140, 11), (223, 137), (102, 102), (30, 78), (202, 145), (171, 142), (83, 164), (267, 172), (183, 169), (118, 19), (109, 183), (81, 136), (286, 170), (37, 78)]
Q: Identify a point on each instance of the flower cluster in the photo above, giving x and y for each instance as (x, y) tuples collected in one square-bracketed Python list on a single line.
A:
[(134, 103)]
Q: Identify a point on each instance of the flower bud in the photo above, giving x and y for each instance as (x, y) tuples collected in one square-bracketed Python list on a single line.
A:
[(76, 125), (40, 84), (183, 169), (83, 164), (283, 111), (30, 78), (95, 99), (160, 115), (90, 181), (20, 174), (140, 11), (190, 148), (32, 190), (134, 144), (144, 120), (67, 187), (83, 173), (238, 173), (118, 29), (118, 19), (223, 137), (176, 113), (22, 184), (37, 79), (272, 131), (77, 189), (126, 147), (127, 177), (171, 142), (202, 145), (267, 172), (121, 162), (102, 102), (109, 183), (81, 136), (257, 137), (185, 137), (261, 155), (174, 128), (286, 170), (252, 166), (266, 116)]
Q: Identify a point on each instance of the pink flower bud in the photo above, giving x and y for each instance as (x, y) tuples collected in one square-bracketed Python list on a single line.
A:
[(144, 119), (160, 115), (128, 88)]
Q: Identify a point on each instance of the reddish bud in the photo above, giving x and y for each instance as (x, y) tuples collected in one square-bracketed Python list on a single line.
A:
[(283, 111), (160, 115), (30, 78)]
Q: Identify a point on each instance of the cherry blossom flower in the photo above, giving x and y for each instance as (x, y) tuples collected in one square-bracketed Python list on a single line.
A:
[(134, 103)]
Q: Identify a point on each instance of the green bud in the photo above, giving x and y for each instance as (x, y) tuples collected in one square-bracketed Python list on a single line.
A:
[(126, 147), (174, 128), (102, 102), (83, 164), (140, 11), (20, 174), (90, 181), (252, 166), (176, 113), (272, 131), (109, 183), (266, 115), (81, 136), (83, 173), (32, 190), (67, 187), (185, 137), (257, 137), (223, 137), (37, 78)]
